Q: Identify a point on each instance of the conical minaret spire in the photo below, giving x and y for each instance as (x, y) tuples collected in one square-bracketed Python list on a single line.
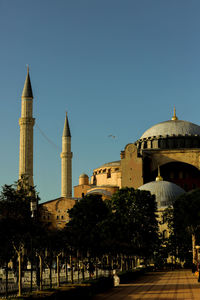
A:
[(66, 130), (27, 90), (26, 123), (66, 161)]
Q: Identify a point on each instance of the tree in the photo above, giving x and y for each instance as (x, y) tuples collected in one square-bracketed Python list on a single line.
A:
[(16, 223), (126, 224), (134, 223), (184, 222), (84, 230)]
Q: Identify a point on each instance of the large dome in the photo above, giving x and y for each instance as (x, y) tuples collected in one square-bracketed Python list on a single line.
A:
[(166, 192), (172, 128)]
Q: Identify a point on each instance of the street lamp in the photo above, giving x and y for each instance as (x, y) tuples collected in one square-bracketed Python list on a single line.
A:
[(33, 209), (197, 255)]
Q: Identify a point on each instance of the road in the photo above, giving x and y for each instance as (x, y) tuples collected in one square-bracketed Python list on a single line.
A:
[(179, 284)]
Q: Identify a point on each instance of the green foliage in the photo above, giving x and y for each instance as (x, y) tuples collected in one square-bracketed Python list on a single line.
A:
[(16, 224), (126, 224), (187, 211), (84, 230), (183, 220), (135, 223)]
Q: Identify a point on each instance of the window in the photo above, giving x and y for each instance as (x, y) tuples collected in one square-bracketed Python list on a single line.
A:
[(57, 217), (109, 173), (180, 175)]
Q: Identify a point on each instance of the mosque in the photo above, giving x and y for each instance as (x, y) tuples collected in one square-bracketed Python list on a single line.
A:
[(172, 147)]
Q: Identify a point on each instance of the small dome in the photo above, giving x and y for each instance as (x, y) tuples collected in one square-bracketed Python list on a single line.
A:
[(172, 127), (166, 192), (83, 175), (83, 179)]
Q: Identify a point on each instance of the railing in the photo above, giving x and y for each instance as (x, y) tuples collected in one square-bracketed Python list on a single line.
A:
[(26, 279)]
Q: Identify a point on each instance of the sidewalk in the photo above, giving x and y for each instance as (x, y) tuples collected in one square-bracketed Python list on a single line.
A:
[(179, 284)]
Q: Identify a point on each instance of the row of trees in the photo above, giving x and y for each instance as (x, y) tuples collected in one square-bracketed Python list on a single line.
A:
[(124, 226)]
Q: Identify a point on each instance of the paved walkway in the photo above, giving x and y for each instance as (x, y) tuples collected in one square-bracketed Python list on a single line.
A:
[(159, 285)]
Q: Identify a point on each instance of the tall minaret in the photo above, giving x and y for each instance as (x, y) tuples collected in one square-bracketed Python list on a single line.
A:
[(26, 123), (66, 162)]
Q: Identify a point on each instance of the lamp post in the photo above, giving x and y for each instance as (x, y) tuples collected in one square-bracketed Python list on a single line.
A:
[(197, 255), (33, 209)]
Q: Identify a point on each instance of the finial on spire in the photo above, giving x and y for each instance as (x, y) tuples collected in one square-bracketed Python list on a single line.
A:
[(159, 178), (27, 69), (174, 118)]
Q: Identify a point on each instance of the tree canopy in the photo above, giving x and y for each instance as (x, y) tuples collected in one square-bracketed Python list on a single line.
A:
[(84, 229), (126, 224), (134, 220), (183, 220), (16, 224)]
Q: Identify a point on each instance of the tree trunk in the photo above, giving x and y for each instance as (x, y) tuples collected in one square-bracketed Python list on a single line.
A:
[(193, 249), (121, 263), (71, 266), (31, 261), (20, 274), (96, 269), (6, 279), (83, 272), (66, 270), (31, 274), (40, 259), (58, 272), (50, 275), (78, 271)]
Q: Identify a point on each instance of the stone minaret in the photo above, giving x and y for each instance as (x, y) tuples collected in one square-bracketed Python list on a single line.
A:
[(26, 123), (66, 162)]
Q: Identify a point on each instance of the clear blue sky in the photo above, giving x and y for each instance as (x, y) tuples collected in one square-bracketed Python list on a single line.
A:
[(117, 67)]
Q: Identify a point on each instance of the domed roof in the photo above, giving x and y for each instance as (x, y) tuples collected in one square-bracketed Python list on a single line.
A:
[(83, 175), (166, 192), (172, 127)]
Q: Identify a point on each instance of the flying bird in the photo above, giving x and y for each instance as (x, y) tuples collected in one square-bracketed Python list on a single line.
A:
[(112, 136)]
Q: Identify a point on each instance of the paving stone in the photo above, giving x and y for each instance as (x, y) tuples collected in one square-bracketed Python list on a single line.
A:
[(178, 284)]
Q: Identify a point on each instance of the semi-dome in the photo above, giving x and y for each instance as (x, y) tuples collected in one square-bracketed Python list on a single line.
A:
[(165, 192), (172, 128)]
